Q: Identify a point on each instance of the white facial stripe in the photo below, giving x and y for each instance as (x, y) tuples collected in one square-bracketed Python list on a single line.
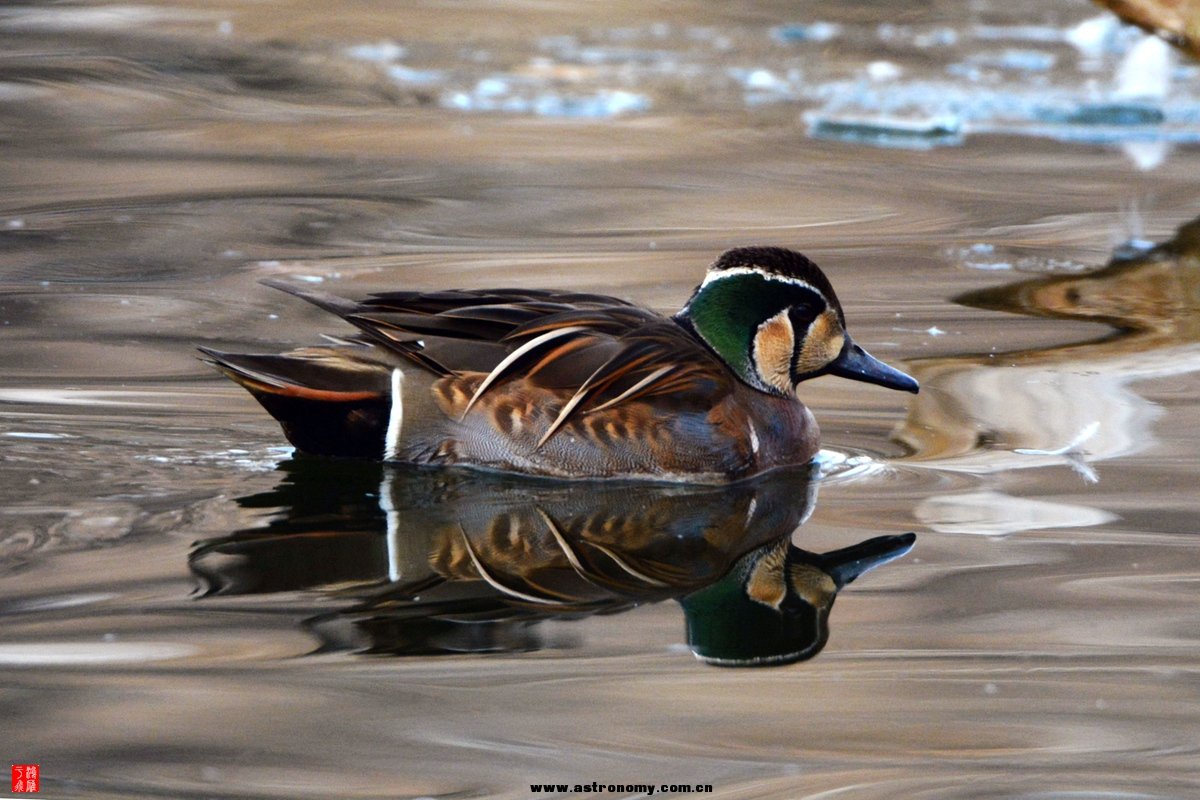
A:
[(717, 275)]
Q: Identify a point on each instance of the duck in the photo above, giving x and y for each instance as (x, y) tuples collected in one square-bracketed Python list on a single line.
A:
[(571, 384)]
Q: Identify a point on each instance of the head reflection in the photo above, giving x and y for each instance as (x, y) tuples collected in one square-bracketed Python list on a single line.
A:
[(421, 562)]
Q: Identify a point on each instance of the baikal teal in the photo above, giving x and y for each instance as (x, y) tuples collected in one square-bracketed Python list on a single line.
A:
[(573, 385)]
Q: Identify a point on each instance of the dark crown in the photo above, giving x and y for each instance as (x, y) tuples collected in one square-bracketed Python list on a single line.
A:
[(778, 261)]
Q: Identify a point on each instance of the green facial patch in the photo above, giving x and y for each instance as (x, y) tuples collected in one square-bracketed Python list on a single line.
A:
[(728, 310)]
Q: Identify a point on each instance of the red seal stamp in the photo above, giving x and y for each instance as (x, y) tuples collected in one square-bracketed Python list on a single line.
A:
[(26, 778)]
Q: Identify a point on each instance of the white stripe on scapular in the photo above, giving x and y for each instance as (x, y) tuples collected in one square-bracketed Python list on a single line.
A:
[(620, 562), (575, 400), (497, 585), (653, 376), (508, 361), (568, 551), (583, 392), (391, 443)]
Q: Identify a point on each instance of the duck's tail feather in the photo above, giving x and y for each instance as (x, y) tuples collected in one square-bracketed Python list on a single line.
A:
[(329, 302), (326, 402)]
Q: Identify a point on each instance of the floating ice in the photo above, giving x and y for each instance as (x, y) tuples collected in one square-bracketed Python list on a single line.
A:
[(381, 52), (402, 74), (1145, 72), (1018, 33), (886, 130), (492, 87), (938, 37), (806, 32), (765, 79), (1095, 36), (1147, 156), (1022, 60), (496, 93), (605, 103), (880, 71), (982, 256), (765, 86), (1131, 249), (922, 38), (992, 79), (1103, 114)]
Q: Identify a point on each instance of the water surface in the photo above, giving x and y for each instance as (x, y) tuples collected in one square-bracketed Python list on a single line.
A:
[(1003, 195)]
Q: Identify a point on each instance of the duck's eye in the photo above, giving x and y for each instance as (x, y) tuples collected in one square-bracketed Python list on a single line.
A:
[(819, 344)]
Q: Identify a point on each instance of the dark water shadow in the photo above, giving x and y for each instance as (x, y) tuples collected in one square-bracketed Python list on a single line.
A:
[(426, 562)]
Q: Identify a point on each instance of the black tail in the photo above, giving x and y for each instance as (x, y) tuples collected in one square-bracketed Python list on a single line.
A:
[(327, 403)]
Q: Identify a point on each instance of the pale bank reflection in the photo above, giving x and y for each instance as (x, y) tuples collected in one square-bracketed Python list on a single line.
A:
[(1071, 404), (993, 411), (420, 562)]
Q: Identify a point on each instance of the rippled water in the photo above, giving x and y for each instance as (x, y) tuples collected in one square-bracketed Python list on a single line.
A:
[(1003, 194)]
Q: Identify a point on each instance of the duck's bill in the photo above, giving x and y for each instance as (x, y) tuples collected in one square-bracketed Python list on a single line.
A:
[(859, 365), (850, 562)]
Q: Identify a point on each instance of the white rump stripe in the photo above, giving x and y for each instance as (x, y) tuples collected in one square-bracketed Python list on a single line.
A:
[(391, 444)]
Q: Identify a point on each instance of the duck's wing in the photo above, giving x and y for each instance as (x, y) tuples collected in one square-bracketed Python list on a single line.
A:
[(602, 349), (453, 332), (574, 353)]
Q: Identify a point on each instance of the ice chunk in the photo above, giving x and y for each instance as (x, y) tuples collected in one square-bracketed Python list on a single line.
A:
[(605, 103), (1145, 72), (492, 87), (1094, 36), (402, 74), (806, 32), (1019, 33), (381, 52), (511, 96), (938, 37), (765, 80), (920, 133), (880, 71), (1147, 156), (1103, 114), (1024, 60)]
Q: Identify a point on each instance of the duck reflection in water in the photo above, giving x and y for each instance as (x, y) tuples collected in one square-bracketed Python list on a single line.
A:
[(424, 562)]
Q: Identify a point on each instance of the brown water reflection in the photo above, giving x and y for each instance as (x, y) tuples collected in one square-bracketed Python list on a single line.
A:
[(432, 562), (1067, 403)]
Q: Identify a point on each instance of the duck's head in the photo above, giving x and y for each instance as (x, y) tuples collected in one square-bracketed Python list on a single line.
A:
[(773, 317), (773, 607)]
